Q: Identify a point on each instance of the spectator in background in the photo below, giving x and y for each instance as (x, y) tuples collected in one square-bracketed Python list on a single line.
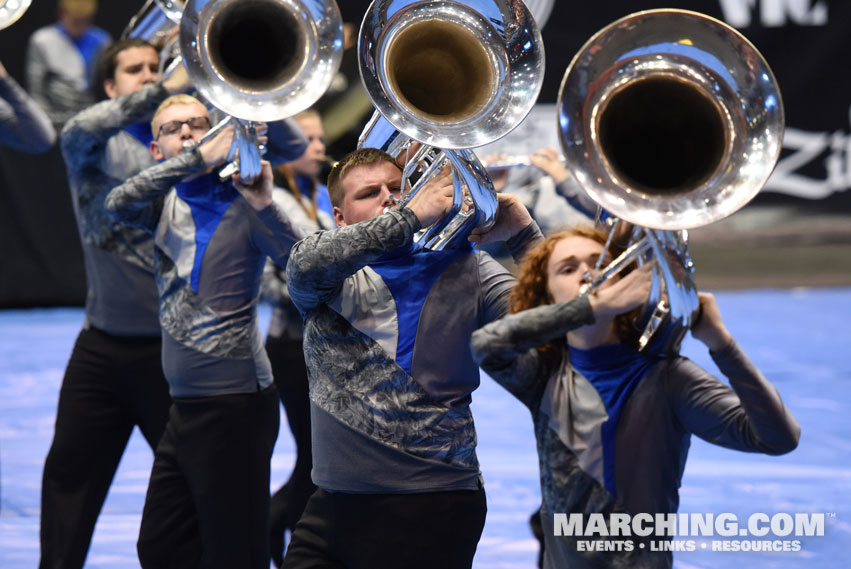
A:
[(24, 126), (62, 59)]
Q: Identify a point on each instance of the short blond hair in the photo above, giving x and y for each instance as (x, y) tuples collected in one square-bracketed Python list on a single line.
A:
[(179, 99)]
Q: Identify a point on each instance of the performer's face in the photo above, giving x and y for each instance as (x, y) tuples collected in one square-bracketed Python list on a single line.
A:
[(310, 163), (136, 68), (178, 126), (571, 258), (367, 190)]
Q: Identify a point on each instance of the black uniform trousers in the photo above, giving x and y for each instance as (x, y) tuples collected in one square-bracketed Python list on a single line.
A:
[(208, 498), (388, 531), (290, 371), (111, 384)]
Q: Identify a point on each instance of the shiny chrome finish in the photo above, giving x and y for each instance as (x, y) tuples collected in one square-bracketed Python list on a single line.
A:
[(11, 11), (452, 76), (154, 21), (260, 60), (670, 120)]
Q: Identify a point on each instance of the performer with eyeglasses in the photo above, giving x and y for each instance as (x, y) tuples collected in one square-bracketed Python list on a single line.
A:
[(114, 379), (208, 497), (387, 328)]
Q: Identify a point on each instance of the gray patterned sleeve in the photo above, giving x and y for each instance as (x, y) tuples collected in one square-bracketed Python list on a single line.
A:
[(320, 263), (749, 417), (91, 129), (24, 125), (506, 348), (138, 201)]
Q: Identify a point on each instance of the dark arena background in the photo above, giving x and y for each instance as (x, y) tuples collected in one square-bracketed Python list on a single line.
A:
[(780, 268)]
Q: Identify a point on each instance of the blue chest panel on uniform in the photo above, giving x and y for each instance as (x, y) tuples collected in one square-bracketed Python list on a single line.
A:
[(208, 200), (141, 131), (614, 371), (409, 273)]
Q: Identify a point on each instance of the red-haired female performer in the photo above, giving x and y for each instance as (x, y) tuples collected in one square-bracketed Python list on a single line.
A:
[(612, 424)]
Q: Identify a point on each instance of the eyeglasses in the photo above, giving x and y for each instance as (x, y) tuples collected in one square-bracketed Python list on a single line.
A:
[(195, 123)]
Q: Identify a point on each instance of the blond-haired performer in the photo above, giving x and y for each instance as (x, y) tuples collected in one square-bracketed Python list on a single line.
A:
[(386, 339), (208, 498)]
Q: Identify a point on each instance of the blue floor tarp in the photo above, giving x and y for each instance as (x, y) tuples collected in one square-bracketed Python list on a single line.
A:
[(800, 339)]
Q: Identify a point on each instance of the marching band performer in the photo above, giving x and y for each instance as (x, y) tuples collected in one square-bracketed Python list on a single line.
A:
[(613, 425), (208, 496), (386, 339), (114, 379)]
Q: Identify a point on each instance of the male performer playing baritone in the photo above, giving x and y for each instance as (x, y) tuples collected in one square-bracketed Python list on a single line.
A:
[(114, 379), (386, 338), (208, 498)]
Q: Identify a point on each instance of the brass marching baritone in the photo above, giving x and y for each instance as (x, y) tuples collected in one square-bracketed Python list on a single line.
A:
[(670, 120), (259, 61), (451, 76), (11, 11), (156, 22)]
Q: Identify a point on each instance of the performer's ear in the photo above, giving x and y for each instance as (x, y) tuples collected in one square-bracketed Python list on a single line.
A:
[(156, 152), (338, 217)]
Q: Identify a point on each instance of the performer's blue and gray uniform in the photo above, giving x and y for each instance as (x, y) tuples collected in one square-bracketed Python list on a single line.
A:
[(209, 489), (386, 340), (613, 426), (114, 378)]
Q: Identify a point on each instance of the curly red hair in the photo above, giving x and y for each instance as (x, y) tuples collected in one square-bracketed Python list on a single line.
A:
[(532, 291)]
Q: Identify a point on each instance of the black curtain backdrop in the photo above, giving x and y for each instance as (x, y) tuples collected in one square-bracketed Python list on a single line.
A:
[(806, 42)]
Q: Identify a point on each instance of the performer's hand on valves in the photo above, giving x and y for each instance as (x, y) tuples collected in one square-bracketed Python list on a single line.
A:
[(511, 218), (215, 151), (620, 295), (434, 198), (709, 327), (259, 192)]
